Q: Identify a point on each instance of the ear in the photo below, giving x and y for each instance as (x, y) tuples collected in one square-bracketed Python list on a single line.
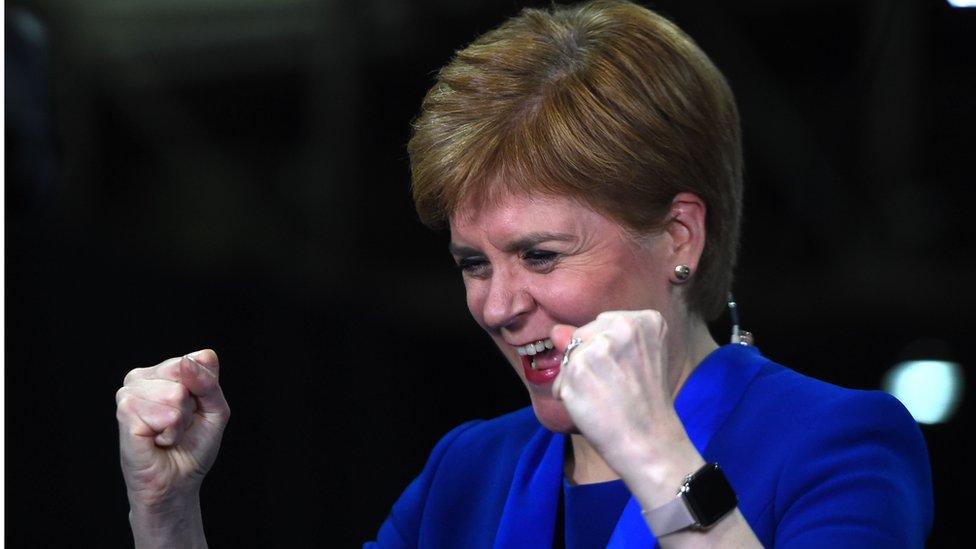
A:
[(686, 227)]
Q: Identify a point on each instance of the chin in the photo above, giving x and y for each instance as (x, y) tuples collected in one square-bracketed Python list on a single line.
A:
[(552, 414)]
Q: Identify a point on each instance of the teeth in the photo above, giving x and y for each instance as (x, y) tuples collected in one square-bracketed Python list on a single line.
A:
[(536, 347)]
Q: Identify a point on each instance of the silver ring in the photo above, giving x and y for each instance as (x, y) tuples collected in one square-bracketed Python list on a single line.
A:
[(573, 343)]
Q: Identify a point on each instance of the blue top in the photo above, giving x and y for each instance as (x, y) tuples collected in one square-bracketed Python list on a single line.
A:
[(591, 512), (813, 465)]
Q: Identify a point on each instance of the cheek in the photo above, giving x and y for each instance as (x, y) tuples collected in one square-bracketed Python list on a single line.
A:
[(578, 300), (476, 301), (573, 300)]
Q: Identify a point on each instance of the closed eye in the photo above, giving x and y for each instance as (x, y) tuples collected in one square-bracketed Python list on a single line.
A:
[(540, 258), (473, 265)]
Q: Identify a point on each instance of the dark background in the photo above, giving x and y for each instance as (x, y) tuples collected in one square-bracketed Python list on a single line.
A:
[(233, 174)]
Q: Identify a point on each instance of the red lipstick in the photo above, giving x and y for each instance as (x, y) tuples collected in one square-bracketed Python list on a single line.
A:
[(546, 366)]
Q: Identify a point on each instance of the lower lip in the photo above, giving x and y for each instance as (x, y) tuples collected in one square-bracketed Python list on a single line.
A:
[(541, 376)]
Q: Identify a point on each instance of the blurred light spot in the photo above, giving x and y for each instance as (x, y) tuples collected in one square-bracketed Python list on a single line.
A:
[(930, 389), (963, 3)]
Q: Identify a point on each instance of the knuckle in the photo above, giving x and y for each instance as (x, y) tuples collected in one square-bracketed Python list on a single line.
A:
[(174, 418), (176, 394), (627, 325), (599, 345), (125, 409), (649, 321), (652, 314), (609, 318), (652, 318), (168, 369), (132, 375)]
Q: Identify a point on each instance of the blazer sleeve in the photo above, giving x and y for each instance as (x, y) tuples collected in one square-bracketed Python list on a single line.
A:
[(858, 476), (401, 529)]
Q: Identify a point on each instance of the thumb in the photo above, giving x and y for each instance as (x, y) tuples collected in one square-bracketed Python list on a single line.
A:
[(208, 359), (201, 381), (560, 336)]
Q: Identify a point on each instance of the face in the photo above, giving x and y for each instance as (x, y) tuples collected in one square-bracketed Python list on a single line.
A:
[(531, 262)]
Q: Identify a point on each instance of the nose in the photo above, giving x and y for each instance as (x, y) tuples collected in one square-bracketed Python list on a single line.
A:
[(508, 300)]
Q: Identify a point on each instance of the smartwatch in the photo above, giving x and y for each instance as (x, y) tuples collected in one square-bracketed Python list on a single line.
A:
[(705, 497)]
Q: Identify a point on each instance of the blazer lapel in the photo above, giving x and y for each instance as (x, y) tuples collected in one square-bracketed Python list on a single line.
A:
[(529, 515)]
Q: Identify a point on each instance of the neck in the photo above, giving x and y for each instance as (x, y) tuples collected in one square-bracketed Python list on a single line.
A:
[(699, 343), (582, 463)]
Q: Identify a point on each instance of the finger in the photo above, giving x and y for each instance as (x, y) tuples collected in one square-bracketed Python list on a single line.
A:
[(163, 394), (560, 335), (653, 321), (202, 383), (557, 387), (168, 393), (208, 359), (562, 388), (168, 369), (601, 323), (576, 365), (142, 418), (136, 438), (648, 322), (595, 348)]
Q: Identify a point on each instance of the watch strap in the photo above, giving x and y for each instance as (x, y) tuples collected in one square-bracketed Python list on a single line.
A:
[(670, 517)]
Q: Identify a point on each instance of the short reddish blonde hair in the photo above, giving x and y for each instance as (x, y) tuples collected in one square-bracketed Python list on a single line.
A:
[(606, 102)]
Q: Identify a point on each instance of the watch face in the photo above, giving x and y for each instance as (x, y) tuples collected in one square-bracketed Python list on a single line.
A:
[(709, 495)]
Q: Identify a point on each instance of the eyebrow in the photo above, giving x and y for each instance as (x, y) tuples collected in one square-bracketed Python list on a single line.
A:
[(527, 241)]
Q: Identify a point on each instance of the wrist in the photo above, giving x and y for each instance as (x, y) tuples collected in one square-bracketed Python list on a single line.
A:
[(660, 467), (657, 483), (657, 463), (170, 524), (150, 500)]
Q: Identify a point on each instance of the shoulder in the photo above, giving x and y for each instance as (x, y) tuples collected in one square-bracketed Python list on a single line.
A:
[(784, 396), (473, 443), (831, 461), (464, 482), (801, 409), (469, 486), (479, 450), (773, 404)]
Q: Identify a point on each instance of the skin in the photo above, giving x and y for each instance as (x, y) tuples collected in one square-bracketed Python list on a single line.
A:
[(537, 266), (171, 420), (593, 266), (587, 277)]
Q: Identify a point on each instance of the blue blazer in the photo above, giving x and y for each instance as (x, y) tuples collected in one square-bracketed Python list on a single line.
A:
[(813, 465)]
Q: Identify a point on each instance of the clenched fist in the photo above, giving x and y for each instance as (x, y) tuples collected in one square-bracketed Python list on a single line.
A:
[(171, 419), (617, 387)]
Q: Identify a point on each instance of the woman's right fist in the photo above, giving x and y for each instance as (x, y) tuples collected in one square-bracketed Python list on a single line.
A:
[(171, 419)]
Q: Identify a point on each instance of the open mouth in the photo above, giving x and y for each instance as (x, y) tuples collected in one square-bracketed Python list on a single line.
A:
[(536, 348), (540, 360)]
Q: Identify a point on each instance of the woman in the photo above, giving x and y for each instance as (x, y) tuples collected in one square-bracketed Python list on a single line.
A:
[(587, 162)]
